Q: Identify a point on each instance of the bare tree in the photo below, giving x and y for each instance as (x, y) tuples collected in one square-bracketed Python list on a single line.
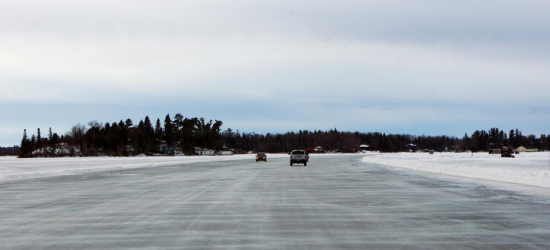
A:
[(76, 134)]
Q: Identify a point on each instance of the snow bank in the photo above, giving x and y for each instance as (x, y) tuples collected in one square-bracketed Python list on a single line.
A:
[(13, 169), (527, 168)]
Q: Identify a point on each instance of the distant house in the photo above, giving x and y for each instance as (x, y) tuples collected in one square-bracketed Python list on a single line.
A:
[(204, 151), (364, 147), (165, 149), (309, 150), (411, 147), (225, 152), (494, 149), (315, 150), (239, 152), (347, 150), (523, 149), (319, 149)]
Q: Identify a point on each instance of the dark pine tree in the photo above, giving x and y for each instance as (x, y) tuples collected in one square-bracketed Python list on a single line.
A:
[(158, 130), (168, 131), (51, 143), (26, 148), (148, 135), (39, 141)]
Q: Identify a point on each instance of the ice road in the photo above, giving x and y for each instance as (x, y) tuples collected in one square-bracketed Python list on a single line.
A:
[(335, 202)]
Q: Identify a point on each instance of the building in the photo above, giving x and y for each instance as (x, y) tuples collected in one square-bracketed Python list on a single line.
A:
[(345, 149), (165, 149), (225, 152), (523, 149), (315, 150), (364, 147), (411, 147), (204, 151)]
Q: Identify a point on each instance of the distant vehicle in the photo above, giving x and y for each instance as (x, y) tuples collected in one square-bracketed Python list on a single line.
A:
[(261, 157), (507, 152), (298, 156)]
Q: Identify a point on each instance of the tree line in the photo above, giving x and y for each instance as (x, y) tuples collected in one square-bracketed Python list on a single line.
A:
[(9, 150), (483, 140), (124, 138), (334, 140)]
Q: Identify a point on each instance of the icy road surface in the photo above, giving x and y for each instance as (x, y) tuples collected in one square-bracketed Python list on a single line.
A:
[(335, 202)]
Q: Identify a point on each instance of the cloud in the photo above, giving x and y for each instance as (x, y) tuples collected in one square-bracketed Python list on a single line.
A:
[(377, 58), (261, 68), (424, 21)]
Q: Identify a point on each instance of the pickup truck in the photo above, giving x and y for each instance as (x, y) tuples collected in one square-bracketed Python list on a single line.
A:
[(298, 156)]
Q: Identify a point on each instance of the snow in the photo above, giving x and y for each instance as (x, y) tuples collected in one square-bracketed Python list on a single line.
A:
[(531, 169), (15, 169)]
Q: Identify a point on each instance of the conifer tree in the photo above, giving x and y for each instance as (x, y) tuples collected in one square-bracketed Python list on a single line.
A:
[(168, 131), (140, 138), (33, 144), (25, 146), (158, 130), (148, 134), (39, 140), (50, 147), (129, 123), (123, 137)]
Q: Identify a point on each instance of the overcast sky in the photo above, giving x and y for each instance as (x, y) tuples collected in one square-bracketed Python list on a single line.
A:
[(420, 67)]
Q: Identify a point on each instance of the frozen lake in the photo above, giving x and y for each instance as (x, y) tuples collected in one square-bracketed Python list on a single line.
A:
[(333, 203)]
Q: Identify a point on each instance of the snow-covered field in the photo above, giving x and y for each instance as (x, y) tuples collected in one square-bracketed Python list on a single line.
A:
[(13, 169), (531, 169)]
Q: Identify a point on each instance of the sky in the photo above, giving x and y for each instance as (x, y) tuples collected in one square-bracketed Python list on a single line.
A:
[(418, 67)]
